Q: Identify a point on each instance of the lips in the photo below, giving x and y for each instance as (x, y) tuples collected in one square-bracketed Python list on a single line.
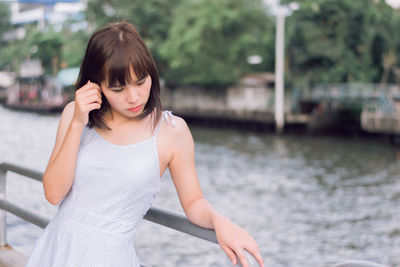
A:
[(135, 109)]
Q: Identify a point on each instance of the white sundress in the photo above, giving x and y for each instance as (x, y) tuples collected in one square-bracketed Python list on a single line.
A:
[(113, 188)]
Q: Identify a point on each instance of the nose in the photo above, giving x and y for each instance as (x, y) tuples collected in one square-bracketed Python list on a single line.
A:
[(132, 94)]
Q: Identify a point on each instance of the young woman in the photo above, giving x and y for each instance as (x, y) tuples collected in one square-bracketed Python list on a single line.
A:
[(113, 144)]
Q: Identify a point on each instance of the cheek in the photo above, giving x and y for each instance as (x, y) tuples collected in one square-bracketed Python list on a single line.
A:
[(148, 88), (112, 100), (146, 94), (148, 85)]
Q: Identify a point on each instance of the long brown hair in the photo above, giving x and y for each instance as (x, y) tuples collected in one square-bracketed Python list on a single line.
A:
[(110, 55)]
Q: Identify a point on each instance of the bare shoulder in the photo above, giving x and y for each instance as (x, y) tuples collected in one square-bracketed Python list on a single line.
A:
[(66, 117), (68, 113), (69, 108), (175, 142), (177, 136), (65, 120), (176, 127)]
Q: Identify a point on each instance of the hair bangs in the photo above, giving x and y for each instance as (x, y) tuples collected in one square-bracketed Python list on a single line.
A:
[(141, 66), (119, 66)]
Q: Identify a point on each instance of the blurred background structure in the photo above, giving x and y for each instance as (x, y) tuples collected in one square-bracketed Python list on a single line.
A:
[(331, 198), (222, 55)]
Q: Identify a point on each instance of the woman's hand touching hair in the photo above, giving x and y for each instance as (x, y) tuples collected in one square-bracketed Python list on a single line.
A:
[(87, 98)]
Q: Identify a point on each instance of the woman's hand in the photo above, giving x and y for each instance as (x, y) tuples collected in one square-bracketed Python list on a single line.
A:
[(87, 98), (233, 239)]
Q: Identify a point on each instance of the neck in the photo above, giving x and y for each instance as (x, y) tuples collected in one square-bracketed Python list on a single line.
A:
[(116, 120)]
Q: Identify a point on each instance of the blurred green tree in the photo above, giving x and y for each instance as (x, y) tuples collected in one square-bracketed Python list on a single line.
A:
[(73, 50), (396, 37), (48, 45), (201, 42), (5, 57), (43, 45), (339, 41), (5, 15), (209, 41), (15, 51)]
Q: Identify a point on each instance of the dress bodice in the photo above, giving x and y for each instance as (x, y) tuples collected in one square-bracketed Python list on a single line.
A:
[(115, 184)]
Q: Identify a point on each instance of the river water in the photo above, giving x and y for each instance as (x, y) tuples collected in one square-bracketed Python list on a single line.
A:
[(308, 201)]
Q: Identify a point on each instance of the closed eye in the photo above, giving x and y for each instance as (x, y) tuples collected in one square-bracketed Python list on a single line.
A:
[(120, 88), (140, 82), (117, 88)]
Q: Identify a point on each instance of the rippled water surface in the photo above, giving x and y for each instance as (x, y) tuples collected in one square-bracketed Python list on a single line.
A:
[(308, 201)]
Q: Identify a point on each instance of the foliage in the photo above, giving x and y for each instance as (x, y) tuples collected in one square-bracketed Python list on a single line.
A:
[(152, 18), (9, 57), (196, 42), (339, 41), (15, 52), (209, 41), (73, 47), (5, 15), (206, 42), (5, 55), (55, 49), (48, 45)]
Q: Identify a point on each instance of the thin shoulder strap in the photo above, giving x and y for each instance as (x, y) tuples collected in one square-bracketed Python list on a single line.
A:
[(168, 117)]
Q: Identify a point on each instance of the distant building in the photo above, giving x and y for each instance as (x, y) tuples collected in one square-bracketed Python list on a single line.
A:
[(45, 12)]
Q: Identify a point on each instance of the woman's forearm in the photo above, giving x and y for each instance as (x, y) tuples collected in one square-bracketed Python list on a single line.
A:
[(59, 174), (202, 213)]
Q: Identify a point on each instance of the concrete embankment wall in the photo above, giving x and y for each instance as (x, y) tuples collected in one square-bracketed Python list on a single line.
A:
[(241, 103), (248, 106)]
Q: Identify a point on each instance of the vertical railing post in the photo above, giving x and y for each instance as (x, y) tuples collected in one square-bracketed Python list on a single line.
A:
[(3, 218), (279, 108)]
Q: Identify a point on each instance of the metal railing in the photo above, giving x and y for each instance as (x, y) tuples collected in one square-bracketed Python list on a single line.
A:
[(168, 218), (345, 92)]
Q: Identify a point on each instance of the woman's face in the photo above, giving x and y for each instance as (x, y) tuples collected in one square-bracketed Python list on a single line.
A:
[(128, 101)]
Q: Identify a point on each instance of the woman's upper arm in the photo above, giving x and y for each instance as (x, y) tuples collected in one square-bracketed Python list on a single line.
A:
[(182, 165), (63, 125)]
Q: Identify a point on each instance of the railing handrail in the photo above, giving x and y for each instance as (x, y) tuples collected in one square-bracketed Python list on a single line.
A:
[(162, 216), (36, 175), (349, 91)]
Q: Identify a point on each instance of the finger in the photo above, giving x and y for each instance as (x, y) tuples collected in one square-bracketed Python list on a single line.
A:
[(93, 99), (86, 99), (88, 86), (95, 90), (83, 88), (231, 255), (89, 94), (95, 85), (242, 257), (94, 106), (83, 104), (256, 254), (91, 87)]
